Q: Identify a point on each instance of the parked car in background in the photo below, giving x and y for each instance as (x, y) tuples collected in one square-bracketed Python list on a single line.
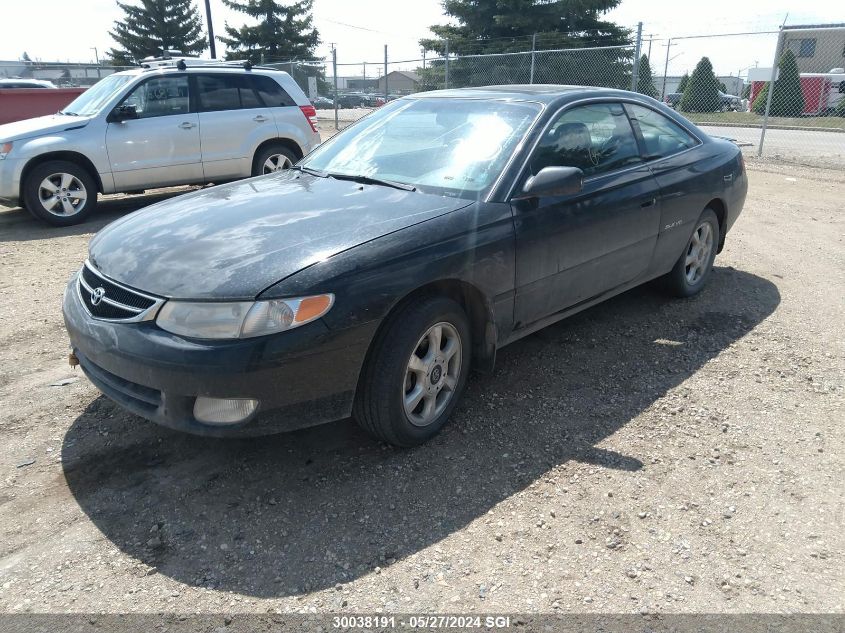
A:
[(322, 103), (729, 103), (403, 251), (18, 82), (673, 99), (351, 100), (374, 101), (175, 122)]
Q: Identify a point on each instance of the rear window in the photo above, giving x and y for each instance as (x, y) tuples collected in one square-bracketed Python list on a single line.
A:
[(272, 94)]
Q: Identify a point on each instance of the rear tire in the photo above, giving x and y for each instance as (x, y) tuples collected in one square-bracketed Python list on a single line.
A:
[(273, 157), (691, 271), (411, 384), (60, 192)]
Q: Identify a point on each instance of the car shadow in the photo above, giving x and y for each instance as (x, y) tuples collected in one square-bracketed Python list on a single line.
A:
[(292, 513), (19, 225)]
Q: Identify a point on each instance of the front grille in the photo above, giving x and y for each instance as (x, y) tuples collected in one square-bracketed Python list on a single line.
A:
[(116, 302)]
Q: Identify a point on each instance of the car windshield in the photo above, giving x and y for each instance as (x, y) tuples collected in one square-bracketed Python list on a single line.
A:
[(447, 146), (97, 96)]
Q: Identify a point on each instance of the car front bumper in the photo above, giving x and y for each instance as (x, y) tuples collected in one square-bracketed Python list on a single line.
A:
[(303, 377), (11, 170)]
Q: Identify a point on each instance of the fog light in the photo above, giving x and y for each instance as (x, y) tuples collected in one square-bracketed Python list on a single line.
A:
[(223, 410)]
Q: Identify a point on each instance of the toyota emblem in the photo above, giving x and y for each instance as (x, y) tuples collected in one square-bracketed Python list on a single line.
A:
[(97, 295)]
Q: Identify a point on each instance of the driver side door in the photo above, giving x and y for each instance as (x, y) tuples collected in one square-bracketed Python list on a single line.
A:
[(162, 146), (573, 249)]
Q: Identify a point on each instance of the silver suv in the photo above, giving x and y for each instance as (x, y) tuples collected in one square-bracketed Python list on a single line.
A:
[(170, 122)]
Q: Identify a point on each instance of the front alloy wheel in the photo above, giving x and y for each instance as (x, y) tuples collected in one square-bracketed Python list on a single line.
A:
[(60, 192), (432, 374), (415, 372)]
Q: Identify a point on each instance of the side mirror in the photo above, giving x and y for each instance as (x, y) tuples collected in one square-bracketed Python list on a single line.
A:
[(123, 113), (553, 181)]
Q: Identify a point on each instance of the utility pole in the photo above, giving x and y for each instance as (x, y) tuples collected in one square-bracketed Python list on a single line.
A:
[(96, 54), (447, 63), (334, 72), (385, 73), (666, 69), (637, 55), (211, 47), (533, 53)]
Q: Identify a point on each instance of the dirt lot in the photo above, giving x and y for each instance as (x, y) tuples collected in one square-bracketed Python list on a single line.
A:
[(647, 455)]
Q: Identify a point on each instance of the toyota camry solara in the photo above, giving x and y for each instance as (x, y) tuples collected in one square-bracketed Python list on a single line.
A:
[(370, 279)]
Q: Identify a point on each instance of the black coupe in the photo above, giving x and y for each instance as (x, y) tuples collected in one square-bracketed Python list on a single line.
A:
[(370, 278)]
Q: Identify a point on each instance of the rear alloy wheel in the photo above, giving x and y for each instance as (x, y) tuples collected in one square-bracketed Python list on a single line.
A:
[(60, 192), (694, 265), (415, 372), (271, 159)]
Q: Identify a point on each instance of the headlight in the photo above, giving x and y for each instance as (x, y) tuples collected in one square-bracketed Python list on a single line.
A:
[(5, 148), (241, 319)]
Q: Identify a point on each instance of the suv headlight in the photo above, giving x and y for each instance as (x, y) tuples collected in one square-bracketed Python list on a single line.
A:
[(5, 148), (241, 319)]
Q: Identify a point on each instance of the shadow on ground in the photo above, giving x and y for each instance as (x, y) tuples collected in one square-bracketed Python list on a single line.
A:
[(302, 511)]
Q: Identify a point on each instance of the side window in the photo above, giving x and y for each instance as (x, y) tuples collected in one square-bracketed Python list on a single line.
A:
[(595, 138), (160, 96), (662, 136), (218, 92), (272, 94)]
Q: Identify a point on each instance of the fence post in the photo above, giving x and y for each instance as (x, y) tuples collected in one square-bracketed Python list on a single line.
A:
[(637, 54), (665, 69), (447, 64), (772, 80), (334, 72), (533, 52), (385, 73)]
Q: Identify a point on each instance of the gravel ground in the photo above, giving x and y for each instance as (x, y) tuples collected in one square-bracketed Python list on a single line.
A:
[(647, 455)]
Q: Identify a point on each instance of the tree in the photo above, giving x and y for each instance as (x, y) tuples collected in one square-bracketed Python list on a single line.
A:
[(25, 57), (787, 99), (723, 87), (152, 26), (702, 93), (684, 83), (645, 81), (284, 32), (503, 26)]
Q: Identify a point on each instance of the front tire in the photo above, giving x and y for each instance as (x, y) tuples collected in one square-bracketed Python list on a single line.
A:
[(691, 271), (60, 192), (416, 372)]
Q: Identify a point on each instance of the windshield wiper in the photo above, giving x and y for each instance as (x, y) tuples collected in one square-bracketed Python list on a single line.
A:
[(310, 170), (369, 180)]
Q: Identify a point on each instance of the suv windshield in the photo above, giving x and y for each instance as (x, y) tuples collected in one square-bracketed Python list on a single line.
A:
[(449, 146), (92, 100)]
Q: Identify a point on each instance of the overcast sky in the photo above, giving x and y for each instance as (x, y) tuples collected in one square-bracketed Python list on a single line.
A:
[(67, 30)]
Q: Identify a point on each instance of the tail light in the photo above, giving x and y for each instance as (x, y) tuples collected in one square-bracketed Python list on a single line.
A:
[(310, 113)]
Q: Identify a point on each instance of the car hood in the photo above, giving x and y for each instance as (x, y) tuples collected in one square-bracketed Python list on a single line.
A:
[(40, 126), (236, 240)]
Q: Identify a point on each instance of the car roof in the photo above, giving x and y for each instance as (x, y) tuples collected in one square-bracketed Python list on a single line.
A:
[(543, 93)]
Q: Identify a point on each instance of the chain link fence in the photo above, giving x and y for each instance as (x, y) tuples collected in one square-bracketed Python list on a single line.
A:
[(720, 82)]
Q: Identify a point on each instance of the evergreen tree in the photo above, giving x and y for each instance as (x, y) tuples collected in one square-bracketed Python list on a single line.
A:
[(152, 26), (787, 100), (283, 32), (500, 26), (702, 93), (684, 83), (25, 57), (645, 80)]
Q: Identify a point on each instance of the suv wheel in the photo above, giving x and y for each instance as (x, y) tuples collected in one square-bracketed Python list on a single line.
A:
[(416, 372), (272, 158), (60, 192)]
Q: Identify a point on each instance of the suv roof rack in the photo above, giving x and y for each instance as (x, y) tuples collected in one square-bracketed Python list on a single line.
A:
[(184, 62)]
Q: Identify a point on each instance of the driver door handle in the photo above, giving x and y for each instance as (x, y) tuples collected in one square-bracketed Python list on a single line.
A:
[(187, 125), (648, 203)]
